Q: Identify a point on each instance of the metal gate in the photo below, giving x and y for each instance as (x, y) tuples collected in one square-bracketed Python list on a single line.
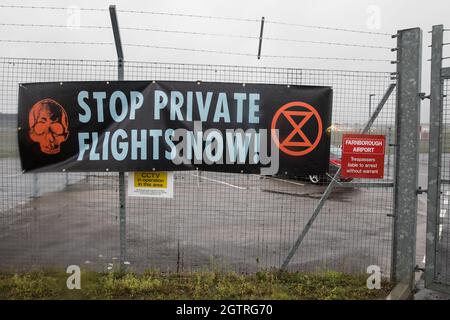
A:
[(437, 269)]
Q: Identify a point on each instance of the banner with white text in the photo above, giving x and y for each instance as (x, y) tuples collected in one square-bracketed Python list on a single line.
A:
[(174, 125)]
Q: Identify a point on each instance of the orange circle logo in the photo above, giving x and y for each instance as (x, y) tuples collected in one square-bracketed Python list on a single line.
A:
[(307, 113)]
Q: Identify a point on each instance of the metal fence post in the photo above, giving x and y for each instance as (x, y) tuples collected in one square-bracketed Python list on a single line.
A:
[(434, 160), (67, 179), (35, 191), (409, 67), (122, 190)]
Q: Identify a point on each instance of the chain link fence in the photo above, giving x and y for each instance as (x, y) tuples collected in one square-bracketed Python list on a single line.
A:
[(442, 271), (240, 222)]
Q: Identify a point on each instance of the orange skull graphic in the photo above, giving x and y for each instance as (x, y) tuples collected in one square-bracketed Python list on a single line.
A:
[(48, 125)]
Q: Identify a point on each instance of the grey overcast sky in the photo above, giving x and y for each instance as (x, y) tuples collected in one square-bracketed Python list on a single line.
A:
[(375, 16)]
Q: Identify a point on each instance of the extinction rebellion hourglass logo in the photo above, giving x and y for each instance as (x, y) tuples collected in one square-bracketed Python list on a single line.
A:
[(299, 115)]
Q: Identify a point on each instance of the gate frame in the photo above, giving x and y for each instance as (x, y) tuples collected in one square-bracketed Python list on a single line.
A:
[(409, 72), (438, 75), (334, 181)]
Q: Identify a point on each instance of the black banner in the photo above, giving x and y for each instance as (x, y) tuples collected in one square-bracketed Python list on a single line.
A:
[(169, 126)]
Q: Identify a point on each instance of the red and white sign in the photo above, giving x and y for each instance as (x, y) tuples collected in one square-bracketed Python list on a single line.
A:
[(363, 156)]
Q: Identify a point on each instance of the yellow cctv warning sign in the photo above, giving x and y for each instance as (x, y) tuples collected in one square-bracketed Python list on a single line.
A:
[(150, 179), (150, 184)]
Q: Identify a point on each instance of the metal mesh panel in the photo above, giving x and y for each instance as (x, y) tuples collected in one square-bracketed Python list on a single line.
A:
[(215, 220), (247, 222), (443, 236), (47, 219)]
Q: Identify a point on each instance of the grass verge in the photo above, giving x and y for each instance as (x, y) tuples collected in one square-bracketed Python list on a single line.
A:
[(196, 285)]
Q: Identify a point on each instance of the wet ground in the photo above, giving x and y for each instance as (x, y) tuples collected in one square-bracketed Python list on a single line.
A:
[(236, 221), (215, 220)]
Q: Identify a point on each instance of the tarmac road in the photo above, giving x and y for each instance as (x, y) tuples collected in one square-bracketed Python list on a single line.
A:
[(243, 222)]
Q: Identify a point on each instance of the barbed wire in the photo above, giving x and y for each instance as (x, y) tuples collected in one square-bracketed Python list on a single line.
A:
[(212, 17), (33, 25), (56, 42), (326, 58), (343, 44), (186, 15), (50, 8), (189, 49), (254, 55), (256, 20), (193, 50), (201, 34), (326, 28)]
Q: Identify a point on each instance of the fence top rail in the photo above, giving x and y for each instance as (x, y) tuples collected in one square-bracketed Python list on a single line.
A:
[(190, 66)]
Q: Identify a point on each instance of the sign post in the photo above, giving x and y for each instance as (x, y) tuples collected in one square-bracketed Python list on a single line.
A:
[(122, 192)]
